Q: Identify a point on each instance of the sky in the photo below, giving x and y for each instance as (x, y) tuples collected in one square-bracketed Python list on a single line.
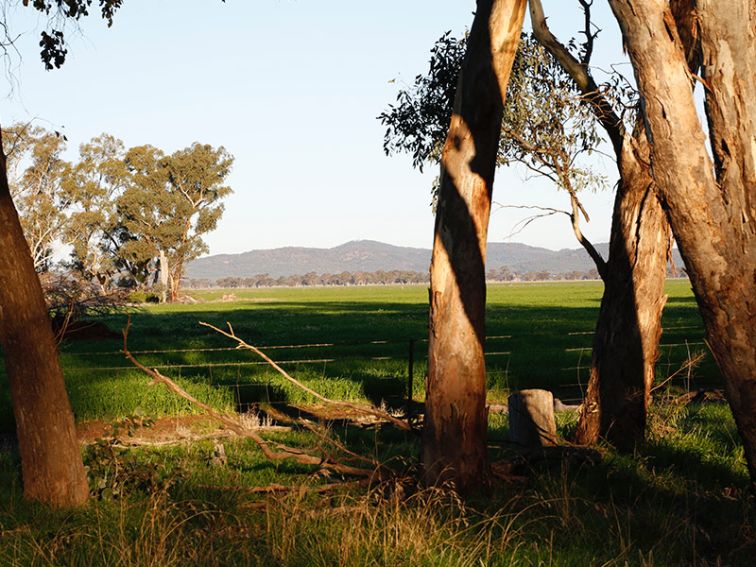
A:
[(292, 89)]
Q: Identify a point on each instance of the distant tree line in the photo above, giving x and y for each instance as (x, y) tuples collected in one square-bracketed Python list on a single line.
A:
[(380, 277), (129, 218)]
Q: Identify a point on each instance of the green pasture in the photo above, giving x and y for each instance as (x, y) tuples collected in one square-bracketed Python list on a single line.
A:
[(680, 499), (539, 336)]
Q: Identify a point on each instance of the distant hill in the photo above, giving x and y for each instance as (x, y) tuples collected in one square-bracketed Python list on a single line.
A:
[(372, 256)]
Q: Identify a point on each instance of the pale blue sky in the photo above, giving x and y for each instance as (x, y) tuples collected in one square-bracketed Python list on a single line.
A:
[(292, 89)]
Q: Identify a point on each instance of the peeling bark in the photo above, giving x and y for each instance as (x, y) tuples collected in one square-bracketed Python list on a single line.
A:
[(51, 465), (710, 204), (628, 330), (454, 441)]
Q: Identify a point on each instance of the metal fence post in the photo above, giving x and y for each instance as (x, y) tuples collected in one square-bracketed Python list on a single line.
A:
[(410, 372)]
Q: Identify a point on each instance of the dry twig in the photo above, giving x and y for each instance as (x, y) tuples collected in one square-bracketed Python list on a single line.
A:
[(688, 365)]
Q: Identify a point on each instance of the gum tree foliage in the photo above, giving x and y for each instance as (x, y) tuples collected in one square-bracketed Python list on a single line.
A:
[(170, 203), (117, 208), (52, 41), (36, 169), (94, 228), (53, 48), (545, 127)]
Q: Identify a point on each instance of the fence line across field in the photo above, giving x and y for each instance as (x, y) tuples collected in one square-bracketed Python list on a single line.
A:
[(252, 363), (409, 357), (662, 345), (211, 365), (674, 328), (265, 347)]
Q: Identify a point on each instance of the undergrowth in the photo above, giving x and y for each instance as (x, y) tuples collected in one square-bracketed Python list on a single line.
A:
[(681, 500)]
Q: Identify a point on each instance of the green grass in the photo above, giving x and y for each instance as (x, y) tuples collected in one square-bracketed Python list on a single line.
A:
[(680, 500), (543, 326)]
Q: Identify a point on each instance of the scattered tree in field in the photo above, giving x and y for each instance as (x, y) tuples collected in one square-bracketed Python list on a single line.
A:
[(94, 230), (196, 180), (37, 188), (124, 214), (710, 202), (171, 202)]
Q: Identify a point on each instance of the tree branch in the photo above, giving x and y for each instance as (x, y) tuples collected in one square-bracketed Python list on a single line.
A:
[(577, 208), (283, 452), (242, 345), (580, 74)]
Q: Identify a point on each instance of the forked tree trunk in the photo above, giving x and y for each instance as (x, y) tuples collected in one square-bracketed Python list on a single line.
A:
[(454, 440), (164, 276), (713, 217), (628, 330), (51, 463)]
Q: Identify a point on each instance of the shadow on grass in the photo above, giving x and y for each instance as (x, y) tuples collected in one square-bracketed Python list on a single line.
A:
[(549, 346)]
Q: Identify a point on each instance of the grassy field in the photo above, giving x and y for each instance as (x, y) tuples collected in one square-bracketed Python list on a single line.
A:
[(680, 500), (540, 336)]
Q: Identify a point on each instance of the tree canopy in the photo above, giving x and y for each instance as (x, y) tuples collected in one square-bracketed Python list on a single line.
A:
[(546, 127), (118, 209)]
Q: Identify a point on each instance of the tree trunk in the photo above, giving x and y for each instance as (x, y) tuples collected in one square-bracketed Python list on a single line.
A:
[(51, 463), (454, 441), (164, 277), (628, 330), (712, 217), (531, 419), (175, 283)]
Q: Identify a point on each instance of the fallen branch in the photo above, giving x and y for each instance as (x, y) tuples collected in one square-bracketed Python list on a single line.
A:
[(277, 488), (135, 442), (284, 452), (323, 436), (242, 345)]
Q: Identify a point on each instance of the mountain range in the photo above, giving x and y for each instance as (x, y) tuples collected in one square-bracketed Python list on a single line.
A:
[(373, 256)]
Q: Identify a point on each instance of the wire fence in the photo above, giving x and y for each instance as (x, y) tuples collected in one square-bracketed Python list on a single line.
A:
[(577, 360)]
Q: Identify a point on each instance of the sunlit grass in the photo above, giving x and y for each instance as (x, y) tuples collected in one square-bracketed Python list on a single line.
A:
[(537, 332)]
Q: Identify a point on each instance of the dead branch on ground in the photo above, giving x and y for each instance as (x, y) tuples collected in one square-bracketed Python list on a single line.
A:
[(283, 452), (242, 345)]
